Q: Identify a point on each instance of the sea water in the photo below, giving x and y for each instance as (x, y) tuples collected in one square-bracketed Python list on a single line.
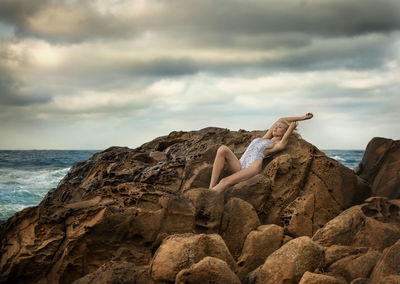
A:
[(26, 176)]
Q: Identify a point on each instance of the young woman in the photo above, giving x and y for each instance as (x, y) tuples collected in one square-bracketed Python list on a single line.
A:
[(274, 140)]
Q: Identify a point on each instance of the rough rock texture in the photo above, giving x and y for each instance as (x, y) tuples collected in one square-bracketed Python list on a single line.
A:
[(113, 211), (291, 261), (389, 265), (355, 266), (314, 278), (238, 220), (209, 206), (380, 166), (179, 252), (353, 227), (258, 245), (208, 270), (121, 272)]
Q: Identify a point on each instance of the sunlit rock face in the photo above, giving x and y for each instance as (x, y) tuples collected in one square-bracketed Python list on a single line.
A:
[(131, 209)]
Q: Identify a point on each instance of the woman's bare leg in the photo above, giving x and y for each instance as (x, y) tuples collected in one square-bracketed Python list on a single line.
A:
[(224, 155), (239, 176)]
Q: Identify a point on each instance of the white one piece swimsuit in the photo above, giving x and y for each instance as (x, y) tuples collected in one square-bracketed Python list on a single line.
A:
[(254, 152)]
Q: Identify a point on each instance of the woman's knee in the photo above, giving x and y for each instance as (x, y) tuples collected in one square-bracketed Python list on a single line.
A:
[(222, 150)]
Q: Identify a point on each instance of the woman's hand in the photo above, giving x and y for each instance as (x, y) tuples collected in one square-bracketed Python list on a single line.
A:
[(308, 116)]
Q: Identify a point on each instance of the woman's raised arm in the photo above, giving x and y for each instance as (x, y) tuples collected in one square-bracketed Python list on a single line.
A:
[(269, 135), (297, 118)]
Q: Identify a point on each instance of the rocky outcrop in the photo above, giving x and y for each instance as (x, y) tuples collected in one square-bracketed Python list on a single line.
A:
[(208, 270), (355, 225), (380, 166), (179, 252), (149, 211), (291, 261)]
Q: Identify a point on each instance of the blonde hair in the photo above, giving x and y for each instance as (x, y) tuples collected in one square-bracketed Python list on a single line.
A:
[(287, 123)]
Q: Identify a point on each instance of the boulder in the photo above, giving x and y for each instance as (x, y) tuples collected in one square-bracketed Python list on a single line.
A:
[(314, 278), (178, 252), (355, 266), (387, 270), (208, 270), (258, 245), (121, 272), (353, 227), (209, 206), (336, 252), (291, 261), (380, 166), (238, 220)]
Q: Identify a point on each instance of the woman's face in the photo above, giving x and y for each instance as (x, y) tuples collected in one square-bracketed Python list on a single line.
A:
[(279, 129)]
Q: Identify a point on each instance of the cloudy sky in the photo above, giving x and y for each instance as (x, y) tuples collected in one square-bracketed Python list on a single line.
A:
[(90, 74)]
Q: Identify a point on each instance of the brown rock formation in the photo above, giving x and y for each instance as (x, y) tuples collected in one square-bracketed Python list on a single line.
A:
[(388, 268), (178, 252), (314, 278), (291, 261), (258, 245), (113, 211), (380, 166), (208, 270), (355, 225), (238, 220)]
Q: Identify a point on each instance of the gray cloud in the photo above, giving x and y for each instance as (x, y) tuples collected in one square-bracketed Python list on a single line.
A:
[(209, 23)]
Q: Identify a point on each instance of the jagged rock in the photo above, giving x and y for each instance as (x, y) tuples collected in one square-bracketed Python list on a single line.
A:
[(208, 270), (125, 201), (314, 278), (380, 166), (301, 189), (291, 261), (179, 252), (336, 252), (209, 207), (359, 280), (238, 220), (258, 245), (387, 270), (355, 266), (353, 227), (121, 272)]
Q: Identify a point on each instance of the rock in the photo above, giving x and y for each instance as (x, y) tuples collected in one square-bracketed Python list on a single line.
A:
[(178, 252), (117, 272), (258, 245), (359, 280), (353, 227), (355, 266), (208, 270), (388, 268), (238, 220), (209, 206), (336, 252), (124, 202), (380, 166), (314, 278), (291, 261)]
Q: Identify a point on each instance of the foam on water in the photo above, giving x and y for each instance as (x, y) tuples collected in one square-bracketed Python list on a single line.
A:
[(26, 176)]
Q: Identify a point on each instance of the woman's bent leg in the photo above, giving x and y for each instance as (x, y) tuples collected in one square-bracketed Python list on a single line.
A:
[(239, 176), (224, 154)]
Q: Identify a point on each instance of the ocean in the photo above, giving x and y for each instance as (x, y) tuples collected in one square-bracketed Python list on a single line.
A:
[(26, 176)]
